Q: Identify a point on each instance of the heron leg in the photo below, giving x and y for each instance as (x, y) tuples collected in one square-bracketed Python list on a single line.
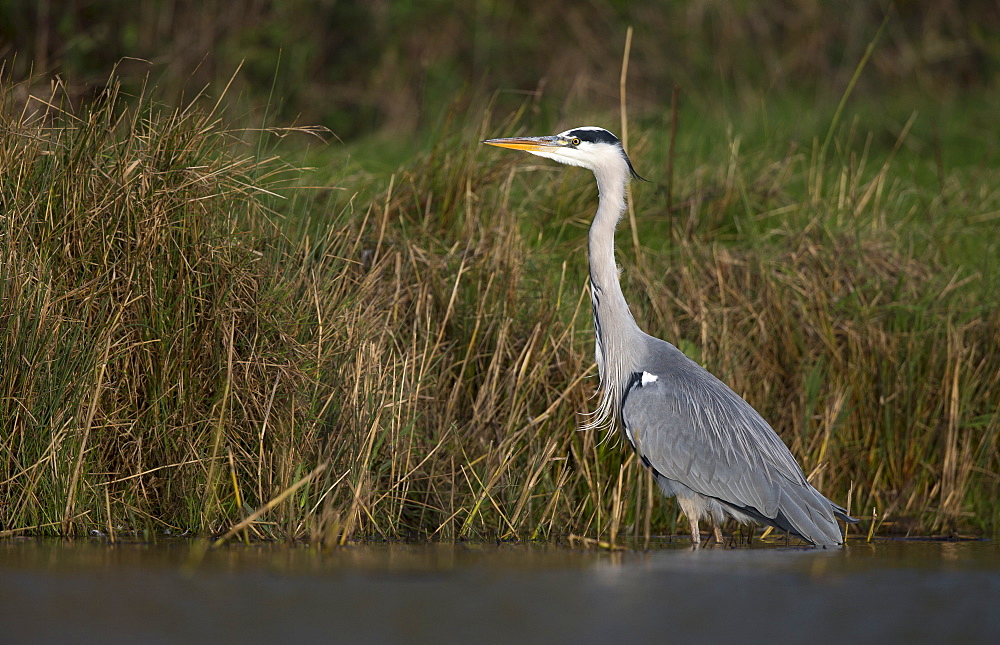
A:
[(717, 532), (692, 511)]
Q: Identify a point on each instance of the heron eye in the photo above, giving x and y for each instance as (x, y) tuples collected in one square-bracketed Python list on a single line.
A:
[(576, 141)]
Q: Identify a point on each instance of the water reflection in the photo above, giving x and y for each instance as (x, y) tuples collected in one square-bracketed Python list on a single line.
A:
[(921, 591)]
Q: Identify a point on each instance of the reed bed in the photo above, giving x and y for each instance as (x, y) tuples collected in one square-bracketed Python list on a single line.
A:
[(200, 340)]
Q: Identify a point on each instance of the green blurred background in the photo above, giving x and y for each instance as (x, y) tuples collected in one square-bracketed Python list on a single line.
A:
[(391, 67)]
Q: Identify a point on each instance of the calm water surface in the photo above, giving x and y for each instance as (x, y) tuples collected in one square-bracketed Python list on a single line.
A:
[(52, 591)]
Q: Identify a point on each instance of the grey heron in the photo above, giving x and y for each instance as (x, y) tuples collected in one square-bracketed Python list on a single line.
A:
[(704, 444)]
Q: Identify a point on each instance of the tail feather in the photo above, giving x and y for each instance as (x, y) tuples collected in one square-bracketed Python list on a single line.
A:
[(842, 515), (812, 516), (802, 517)]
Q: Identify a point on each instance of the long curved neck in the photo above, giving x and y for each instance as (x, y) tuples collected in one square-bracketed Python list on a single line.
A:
[(603, 269), (610, 307), (618, 338)]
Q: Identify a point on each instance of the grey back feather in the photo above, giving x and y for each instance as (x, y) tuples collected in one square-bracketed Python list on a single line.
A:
[(692, 428)]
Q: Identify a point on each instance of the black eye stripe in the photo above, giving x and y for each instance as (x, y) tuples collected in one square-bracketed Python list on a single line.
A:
[(599, 135), (594, 136)]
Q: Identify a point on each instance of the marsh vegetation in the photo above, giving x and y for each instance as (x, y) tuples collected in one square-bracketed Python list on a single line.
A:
[(217, 323)]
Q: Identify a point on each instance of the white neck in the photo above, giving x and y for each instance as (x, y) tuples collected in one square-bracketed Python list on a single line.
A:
[(618, 341)]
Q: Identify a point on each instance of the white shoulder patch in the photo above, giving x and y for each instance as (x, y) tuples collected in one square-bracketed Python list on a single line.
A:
[(648, 378)]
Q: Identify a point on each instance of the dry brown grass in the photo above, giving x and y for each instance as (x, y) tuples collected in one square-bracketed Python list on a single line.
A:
[(190, 352)]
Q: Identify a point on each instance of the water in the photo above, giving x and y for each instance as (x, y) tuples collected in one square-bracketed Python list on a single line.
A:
[(886, 592)]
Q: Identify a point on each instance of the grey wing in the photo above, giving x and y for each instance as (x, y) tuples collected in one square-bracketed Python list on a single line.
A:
[(691, 428)]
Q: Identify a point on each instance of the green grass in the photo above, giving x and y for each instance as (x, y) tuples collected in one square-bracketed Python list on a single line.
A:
[(206, 338)]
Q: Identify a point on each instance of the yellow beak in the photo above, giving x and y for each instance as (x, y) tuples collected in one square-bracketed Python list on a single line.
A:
[(529, 144)]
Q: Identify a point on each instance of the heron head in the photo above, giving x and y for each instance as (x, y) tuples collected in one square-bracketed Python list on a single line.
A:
[(588, 147)]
